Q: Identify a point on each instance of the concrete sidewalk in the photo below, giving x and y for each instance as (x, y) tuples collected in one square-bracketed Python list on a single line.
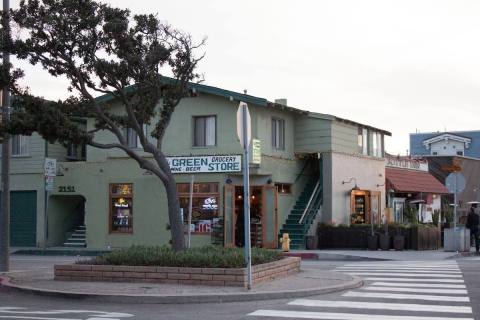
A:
[(310, 281), (379, 255)]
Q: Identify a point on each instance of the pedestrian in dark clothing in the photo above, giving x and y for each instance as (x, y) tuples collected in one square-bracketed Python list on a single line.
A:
[(472, 224)]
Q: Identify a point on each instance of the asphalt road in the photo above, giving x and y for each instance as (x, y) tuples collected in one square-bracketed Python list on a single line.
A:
[(342, 305)]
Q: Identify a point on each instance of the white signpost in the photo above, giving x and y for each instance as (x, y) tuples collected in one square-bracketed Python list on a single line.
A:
[(49, 171), (244, 132)]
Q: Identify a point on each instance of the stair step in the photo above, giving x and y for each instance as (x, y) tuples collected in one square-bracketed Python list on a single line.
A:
[(69, 244), (74, 240)]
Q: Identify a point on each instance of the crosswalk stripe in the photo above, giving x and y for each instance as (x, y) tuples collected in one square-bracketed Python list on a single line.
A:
[(398, 263), (384, 295), (438, 275), (400, 266), (338, 316), (419, 285), (380, 306), (400, 270), (419, 290), (410, 280)]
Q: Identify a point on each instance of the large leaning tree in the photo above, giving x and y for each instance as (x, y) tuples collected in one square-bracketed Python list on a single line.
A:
[(103, 50)]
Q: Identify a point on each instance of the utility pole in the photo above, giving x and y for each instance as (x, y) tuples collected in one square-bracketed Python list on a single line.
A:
[(5, 178)]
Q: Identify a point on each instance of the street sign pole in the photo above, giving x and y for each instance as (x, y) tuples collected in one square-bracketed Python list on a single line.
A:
[(455, 214), (246, 197), (5, 176), (244, 135), (190, 201)]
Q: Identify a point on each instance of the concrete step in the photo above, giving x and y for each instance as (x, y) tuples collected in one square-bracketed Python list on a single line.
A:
[(74, 245)]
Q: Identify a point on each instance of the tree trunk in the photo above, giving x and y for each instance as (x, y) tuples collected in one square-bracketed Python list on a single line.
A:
[(176, 223)]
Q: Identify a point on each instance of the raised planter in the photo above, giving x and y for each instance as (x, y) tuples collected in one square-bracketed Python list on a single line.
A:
[(372, 242), (399, 243), (384, 241), (415, 237), (191, 276)]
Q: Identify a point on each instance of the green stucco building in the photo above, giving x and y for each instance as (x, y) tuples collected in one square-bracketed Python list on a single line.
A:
[(305, 165)]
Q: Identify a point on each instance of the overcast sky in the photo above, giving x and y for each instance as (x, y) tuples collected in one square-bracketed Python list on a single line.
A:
[(401, 65)]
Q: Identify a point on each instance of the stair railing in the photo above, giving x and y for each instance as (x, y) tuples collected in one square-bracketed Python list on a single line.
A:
[(309, 202)]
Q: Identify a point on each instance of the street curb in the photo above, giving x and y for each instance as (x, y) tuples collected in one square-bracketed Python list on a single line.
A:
[(182, 299), (464, 255)]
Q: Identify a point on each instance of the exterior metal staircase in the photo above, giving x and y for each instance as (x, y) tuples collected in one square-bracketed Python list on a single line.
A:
[(77, 239), (303, 214)]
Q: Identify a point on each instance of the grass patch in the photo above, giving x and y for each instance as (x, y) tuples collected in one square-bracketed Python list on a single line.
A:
[(203, 257)]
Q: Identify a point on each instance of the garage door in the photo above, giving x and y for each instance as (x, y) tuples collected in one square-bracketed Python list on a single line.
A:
[(23, 218)]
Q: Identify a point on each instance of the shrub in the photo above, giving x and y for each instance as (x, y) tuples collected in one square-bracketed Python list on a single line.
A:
[(203, 257)]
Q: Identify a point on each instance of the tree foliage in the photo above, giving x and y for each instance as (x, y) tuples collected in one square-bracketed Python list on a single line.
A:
[(107, 51)]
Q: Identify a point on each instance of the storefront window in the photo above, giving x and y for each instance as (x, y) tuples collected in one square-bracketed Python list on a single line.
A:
[(205, 205), (121, 208)]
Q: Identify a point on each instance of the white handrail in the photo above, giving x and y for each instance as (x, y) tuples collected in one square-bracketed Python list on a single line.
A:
[(309, 202)]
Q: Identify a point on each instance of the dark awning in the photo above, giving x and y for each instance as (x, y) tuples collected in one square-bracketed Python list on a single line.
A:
[(402, 180)]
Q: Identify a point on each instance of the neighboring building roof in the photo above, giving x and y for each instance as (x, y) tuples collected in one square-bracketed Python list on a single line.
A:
[(419, 148), (447, 136), (335, 118), (232, 95), (413, 181)]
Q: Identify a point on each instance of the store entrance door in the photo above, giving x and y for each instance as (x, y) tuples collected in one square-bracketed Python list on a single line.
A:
[(263, 216)]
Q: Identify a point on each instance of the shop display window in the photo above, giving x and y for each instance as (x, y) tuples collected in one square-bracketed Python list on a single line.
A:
[(359, 209), (205, 205), (121, 208)]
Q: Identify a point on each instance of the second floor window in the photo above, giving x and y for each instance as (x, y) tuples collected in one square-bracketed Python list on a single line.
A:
[(133, 141), (20, 145), (278, 134), (76, 152), (204, 131)]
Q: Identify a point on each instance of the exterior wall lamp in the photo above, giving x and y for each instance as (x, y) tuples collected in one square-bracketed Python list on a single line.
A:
[(349, 181)]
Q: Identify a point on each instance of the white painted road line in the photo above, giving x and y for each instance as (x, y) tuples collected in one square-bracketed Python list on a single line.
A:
[(384, 295), (338, 316), (410, 280), (438, 275), (400, 267), (380, 306), (419, 285), (394, 271), (419, 290)]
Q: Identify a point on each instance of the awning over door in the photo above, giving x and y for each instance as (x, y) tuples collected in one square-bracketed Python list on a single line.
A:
[(413, 181)]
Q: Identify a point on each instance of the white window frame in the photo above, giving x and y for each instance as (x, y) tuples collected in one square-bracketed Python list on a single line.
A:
[(23, 147), (365, 141), (134, 140), (278, 134), (209, 137)]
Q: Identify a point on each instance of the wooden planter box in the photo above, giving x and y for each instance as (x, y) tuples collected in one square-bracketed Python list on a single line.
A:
[(191, 276), (416, 238), (341, 238), (421, 238)]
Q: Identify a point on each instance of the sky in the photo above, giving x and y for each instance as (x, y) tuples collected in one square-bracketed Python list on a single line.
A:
[(402, 66)]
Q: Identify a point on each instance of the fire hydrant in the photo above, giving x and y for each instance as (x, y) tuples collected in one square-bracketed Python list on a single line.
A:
[(285, 241)]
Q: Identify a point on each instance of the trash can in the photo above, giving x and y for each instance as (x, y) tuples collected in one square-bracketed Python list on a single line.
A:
[(456, 241)]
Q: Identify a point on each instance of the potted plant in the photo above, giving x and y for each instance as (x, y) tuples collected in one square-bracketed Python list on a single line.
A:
[(385, 238), (398, 239), (372, 239)]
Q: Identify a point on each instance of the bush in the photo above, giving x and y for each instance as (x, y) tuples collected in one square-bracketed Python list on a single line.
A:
[(204, 257)]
